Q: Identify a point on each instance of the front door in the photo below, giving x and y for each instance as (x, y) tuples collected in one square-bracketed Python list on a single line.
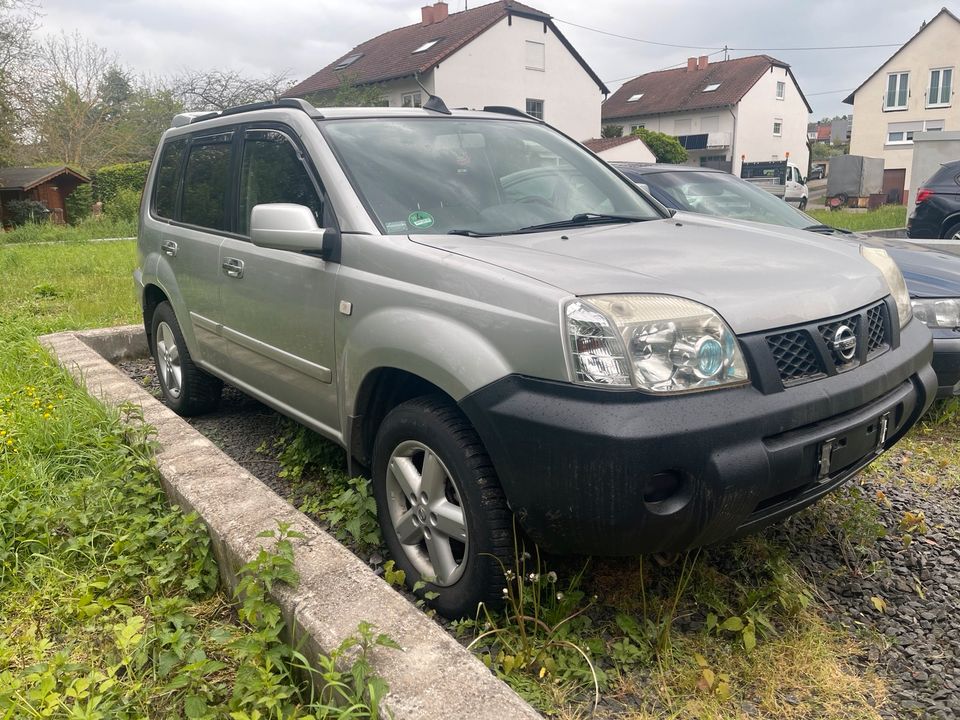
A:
[(277, 304)]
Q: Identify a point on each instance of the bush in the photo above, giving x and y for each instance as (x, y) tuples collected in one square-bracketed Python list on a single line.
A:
[(78, 203), (123, 206), (666, 148), (21, 212), (109, 180)]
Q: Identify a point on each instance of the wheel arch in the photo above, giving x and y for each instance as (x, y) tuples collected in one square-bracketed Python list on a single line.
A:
[(948, 223)]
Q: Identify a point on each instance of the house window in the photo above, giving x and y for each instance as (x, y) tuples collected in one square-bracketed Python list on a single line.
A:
[(781, 89), (634, 98), (710, 123), (940, 81), (711, 87), (535, 59), (426, 46), (681, 127), (348, 61), (634, 128), (411, 100), (535, 108), (902, 133), (778, 127), (896, 97)]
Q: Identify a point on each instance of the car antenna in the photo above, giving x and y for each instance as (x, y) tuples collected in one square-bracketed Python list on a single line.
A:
[(433, 102)]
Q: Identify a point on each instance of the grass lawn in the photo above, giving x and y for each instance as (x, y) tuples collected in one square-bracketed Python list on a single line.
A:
[(88, 229), (887, 216), (108, 596)]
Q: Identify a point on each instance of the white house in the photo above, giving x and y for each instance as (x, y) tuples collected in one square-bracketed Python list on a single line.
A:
[(503, 53), (911, 92), (629, 148), (722, 112)]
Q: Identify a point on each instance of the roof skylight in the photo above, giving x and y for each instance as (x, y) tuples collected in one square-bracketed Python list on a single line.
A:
[(711, 87), (426, 46), (634, 98), (347, 61)]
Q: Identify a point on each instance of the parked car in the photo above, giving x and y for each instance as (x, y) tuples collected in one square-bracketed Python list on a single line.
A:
[(778, 177), (568, 354), (817, 172), (937, 210), (932, 276)]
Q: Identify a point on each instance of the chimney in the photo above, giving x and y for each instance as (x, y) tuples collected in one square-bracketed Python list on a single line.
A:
[(426, 15), (702, 62), (440, 11), (691, 64)]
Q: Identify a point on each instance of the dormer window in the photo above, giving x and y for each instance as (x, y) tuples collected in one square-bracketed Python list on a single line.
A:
[(711, 87), (634, 98), (426, 46), (347, 61)]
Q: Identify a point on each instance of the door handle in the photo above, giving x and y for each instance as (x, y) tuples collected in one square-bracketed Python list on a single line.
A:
[(169, 248), (233, 267)]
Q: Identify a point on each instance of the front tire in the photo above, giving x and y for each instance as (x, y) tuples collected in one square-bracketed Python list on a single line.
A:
[(803, 204), (442, 511), (187, 390)]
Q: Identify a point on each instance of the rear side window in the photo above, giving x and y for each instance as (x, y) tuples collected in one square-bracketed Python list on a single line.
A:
[(206, 182), (272, 172), (168, 179)]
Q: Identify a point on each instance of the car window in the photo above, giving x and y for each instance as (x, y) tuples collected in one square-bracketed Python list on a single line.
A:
[(272, 172), (206, 181), (723, 195), (167, 181), (433, 175)]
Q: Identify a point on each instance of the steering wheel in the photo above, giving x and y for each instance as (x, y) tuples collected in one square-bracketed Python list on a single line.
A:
[(536, 200)]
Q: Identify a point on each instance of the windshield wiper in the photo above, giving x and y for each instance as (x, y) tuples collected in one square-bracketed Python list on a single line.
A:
[(468, 233), (821, 228), (581, 219)]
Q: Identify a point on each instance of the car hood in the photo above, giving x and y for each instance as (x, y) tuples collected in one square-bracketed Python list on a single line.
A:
[(757, 277)]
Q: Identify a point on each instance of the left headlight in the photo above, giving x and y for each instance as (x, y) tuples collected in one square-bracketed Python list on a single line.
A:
[(879, 258), (937, 312), (656, 343)]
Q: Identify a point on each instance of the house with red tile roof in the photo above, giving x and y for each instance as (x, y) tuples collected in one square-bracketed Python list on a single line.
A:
[(723, 112), (502, 53)]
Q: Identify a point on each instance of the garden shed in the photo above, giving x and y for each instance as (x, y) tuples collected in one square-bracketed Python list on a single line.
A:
[(48, 185)]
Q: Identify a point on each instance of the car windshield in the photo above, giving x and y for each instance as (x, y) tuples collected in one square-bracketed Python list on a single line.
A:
[(723, 195), (477, 176)]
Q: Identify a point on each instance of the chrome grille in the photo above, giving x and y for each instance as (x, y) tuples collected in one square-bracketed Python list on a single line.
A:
[(829, 333)]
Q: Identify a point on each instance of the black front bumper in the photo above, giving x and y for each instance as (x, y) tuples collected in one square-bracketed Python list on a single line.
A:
[(584, 468), (946, 362)]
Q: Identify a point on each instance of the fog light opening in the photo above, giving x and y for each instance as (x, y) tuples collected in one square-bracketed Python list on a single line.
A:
[(662, 486)]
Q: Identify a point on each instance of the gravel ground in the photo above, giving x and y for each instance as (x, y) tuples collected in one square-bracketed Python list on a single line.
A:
[(912, 639)]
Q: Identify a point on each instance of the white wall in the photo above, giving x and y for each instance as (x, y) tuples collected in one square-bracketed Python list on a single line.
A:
[(633, 151), (935, 47), (491, 70), (756, 114), (394, 90)]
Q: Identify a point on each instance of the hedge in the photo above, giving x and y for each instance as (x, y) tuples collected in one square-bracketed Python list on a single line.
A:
[(109, 180)]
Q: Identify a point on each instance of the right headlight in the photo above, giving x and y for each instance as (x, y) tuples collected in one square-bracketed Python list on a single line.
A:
[(937, 312), (879, 258), (657, 343)]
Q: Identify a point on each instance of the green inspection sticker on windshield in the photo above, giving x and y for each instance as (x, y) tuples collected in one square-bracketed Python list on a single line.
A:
[(420, 220)]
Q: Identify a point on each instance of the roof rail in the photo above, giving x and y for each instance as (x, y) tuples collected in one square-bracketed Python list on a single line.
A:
[(507, 110), (294, 103)]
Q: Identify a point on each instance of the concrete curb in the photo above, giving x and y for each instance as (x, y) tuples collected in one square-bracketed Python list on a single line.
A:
[(433, 677)]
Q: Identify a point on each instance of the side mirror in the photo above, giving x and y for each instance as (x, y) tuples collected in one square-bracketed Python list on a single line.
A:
[(803, 181), (285, 226)]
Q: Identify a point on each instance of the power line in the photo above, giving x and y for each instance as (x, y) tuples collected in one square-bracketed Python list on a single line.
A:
[(829, 92), (736, 49), (668, 67)]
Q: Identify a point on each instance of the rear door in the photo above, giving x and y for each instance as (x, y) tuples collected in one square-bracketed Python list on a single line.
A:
[(277, 304), (190, 244)]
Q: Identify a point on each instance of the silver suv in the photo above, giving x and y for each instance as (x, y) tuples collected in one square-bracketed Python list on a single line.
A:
[(496, 325)]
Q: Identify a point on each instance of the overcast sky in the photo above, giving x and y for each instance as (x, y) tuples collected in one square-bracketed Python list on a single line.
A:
[(302, 36)]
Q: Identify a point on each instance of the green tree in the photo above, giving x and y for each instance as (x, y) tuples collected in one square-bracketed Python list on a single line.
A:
[(17, 22), (666, 148), (611, 131), (350, 93)]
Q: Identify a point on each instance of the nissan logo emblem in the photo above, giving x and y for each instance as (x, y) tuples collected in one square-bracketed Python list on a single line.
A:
[(844, 343)]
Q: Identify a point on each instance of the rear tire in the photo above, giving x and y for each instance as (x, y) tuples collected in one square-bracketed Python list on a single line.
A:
[(187, 390), (441, 508), (953, 233)]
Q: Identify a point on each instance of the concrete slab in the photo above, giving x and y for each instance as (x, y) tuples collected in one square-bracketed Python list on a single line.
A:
[(432, 677)]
